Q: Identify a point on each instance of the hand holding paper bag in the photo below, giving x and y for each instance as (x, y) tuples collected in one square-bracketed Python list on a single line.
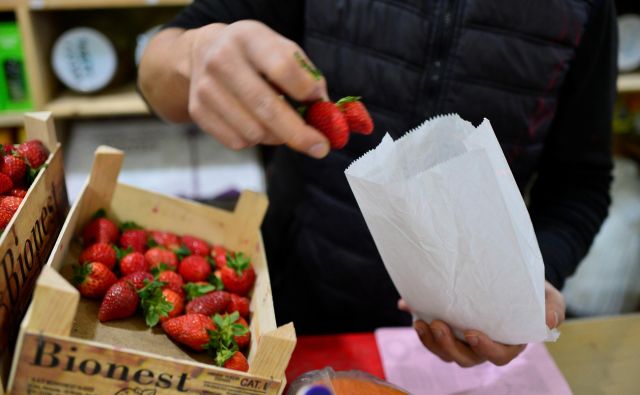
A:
[(453, 230)]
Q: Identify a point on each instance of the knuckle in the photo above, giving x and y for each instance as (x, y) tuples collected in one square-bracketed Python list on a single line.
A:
[(266, 107), (254, 134)]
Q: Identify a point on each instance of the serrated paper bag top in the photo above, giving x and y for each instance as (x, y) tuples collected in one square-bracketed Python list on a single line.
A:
[(453, 230)]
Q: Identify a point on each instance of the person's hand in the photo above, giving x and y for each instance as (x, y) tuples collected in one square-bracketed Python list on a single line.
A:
[(238, 72), (439, 339)]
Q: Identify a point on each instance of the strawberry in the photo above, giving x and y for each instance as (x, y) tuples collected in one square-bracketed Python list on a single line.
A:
[(34, 152), (5, 183), (133, 262), (176, 300), (172, 280), (192, 330), (99, 252), (165, 239), (194, 268), (10, 203), (8, 149), (193, 290), (239, 304), (242, 340), (18, 192), (209, 304), (134, 238), (196, 246), (154, 303), (120, 301), (232, 359), (100, 230), (157, 255), (137, 279), (219, 255), (14, 167), (329, 120), (356, 115), (238, 276), (93, 279), (5, 218)]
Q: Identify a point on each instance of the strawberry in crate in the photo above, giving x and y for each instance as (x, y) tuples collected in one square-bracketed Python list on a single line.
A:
[(19, 167), (197, 293)]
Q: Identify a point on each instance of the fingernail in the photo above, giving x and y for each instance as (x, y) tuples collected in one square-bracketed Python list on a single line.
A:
[(437, 333), (556, 319), (472, 340), (319, 150)]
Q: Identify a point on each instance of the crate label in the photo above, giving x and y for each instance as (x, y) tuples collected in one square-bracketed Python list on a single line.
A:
[(65, 366), (27, 244)]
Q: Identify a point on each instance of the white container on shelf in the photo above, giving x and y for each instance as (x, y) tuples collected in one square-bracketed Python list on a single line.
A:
[(629, 50), (84, 60)]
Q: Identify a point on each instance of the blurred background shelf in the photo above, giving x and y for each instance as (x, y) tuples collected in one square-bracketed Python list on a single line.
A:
[(628, 83), (10, 120), (116, 102), (86, 4)]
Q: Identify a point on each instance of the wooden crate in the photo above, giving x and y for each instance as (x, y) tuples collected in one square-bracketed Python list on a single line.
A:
[(63, 346), (28, 239)]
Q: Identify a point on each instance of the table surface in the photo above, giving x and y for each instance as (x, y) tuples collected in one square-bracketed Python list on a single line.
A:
[(598, 356)]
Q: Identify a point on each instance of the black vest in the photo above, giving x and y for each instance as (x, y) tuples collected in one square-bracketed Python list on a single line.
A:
[(410, 60)]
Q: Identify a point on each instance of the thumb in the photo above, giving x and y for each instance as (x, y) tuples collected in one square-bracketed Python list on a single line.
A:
[(554, 306)]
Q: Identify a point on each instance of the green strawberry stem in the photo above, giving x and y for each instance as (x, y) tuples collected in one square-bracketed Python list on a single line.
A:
[(348, 99), (182, 252), (151, 243), (315, 73), (80, 272), (101, 213), (153, 303), (130, 225), (239, 262), (194, 290)]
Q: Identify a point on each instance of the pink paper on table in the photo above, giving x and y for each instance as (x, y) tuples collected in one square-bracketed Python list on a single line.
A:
[(410, 366)]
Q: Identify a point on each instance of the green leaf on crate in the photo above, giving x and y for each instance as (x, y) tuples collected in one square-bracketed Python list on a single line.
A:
[(194, 290)]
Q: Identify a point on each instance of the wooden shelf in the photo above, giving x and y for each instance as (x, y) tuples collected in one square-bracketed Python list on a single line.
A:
[(85, 4), (628, 83), (116, 102), (10, 120)]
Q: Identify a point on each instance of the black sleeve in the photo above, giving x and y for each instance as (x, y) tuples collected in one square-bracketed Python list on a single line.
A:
[(570, 198), (284, 16)]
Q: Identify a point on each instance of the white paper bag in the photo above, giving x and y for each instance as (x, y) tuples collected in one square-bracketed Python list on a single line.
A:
[(453, 231)]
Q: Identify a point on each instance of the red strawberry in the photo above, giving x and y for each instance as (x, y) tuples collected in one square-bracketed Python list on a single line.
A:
[(329, 120), (8, 149), (133, 262), (238, 276), (34, 152), (190, 330), (99, 252), (172, 280), (5, 183), (209, 304), (18, 192), (176, 299), (100, 230), (120, 301), (10, 203), (194, 268), (219, 255), (242, 340), (231, 359), (93, 279), (356, 115), (239, 304), (135, 239), (196, 246), (157, 255), (5, 218), (14, 167), (137, 279), (193, 290), (154, 303), (165, 239)]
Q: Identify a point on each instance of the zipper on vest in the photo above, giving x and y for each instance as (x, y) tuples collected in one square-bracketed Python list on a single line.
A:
[(444, 32)]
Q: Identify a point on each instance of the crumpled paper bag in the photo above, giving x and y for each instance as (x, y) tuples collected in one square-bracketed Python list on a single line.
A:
[(453, 230)]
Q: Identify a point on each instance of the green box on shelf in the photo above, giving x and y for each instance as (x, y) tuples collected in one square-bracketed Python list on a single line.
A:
[(14, 89)]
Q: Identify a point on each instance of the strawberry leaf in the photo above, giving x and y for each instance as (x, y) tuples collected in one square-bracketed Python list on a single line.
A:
[(162, 267), (120, 253), (348, 99), (182, 252), (194, 290), (101, 213), (238, 261), (130, 225), (155, 306), (224, 354), (80, 273), (151, 242), (216, 281)]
